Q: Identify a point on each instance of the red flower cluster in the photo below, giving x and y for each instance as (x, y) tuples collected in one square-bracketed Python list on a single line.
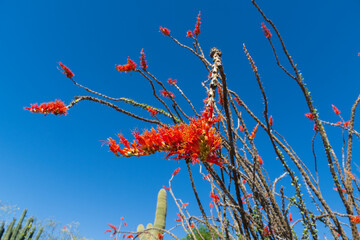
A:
[(142, 60), (189, 34), (266, 30), (247, 196), (114, 229), (165, 31), (130, 66), (66, 71), (152, 111), (176, 172), (56, 108), (271, 120), (195, 141), (309, 116), (343, 190), (197, 26), (237, 101), (172, 81), (260, 160), (336, 110), (166, 93), (346, 124), (207, 177), (350, 174), (290, 217), (267, 232), (355, 219), (253, 133), (215, 197), (179, 219), (241, 128)]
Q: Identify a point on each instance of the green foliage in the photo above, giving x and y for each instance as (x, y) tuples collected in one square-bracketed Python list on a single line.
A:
[(160, 219), (203, 231)]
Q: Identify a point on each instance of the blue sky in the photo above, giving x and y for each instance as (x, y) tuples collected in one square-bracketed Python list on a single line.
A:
[(56, 167)]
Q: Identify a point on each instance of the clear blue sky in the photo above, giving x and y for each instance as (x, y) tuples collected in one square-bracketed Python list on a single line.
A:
[(56, 167)]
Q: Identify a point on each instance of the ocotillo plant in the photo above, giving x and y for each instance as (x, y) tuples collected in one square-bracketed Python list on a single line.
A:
[(246, 202), (156, 231), (20, 232)]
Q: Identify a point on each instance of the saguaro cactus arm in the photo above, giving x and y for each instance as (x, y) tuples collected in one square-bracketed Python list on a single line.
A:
[(160, 220)]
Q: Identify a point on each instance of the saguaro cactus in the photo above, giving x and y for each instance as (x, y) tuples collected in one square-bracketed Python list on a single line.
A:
[(19, 232), (159, 223)]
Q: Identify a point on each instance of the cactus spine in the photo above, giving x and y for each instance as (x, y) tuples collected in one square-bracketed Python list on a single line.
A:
[(19, 232), (159, 223)]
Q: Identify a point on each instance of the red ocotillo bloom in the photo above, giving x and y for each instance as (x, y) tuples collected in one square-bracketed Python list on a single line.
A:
[(195, 141), (189, 34), (271, 120), (66, 71), (56, 108), (130, 66), (355, 219), (350, 174), (343, 190), (197, 26), (267, 232), (266, 30), (114, 229), (215, 197), (309, 116), (165, 31), (166, 93), (346, 124), (172, 81), (152, 111), (176, 172), (142, 60), (241, 128), (237, 101), (336, 110), (253, 133)]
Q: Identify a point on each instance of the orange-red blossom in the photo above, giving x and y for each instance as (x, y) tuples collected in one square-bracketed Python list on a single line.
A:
[(165, 31), (56, 108), (355, 219), (195, 141), (130, 66), (67, 71), (253, 133)]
